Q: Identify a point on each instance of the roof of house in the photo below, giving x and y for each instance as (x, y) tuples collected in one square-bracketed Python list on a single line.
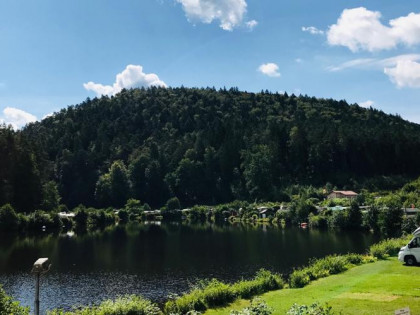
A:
[(345, 192)]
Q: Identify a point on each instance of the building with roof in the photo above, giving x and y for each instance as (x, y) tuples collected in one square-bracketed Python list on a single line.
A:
[(342, 194)]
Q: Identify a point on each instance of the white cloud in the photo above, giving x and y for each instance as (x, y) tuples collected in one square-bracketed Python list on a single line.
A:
[(299, 60), (16, 117), (131, 77), (366, 104), (403, 70), (373, 63), (251, 24), (361, 29), (406, 73), (230, 13), (269, 69), (313, 30)]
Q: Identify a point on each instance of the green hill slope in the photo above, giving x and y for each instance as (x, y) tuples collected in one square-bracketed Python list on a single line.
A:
[(209, 146)]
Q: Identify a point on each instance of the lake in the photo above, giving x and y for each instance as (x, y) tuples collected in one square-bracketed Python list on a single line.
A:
[(156, 260)]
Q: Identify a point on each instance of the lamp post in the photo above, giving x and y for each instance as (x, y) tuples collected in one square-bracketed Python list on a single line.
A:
[(40, 267)]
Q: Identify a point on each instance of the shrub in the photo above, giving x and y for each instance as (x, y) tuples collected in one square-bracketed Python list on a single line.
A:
[(209, 294), (338, 220), (390, 220), (314, 309), (354, 216), (408, 225), (388, 247), (123, 215), (320, 268), (8, 218), (173, 204), (263, 282), (38, 219), (317, 221), (127, 305), (257, 307), (80, 217), (299, 279), (8, 306)]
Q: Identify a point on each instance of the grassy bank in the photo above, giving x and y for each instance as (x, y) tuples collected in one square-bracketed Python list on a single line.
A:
[(377, 288)]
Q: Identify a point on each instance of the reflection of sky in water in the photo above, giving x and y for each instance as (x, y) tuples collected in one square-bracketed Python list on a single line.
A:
[(155, 261)]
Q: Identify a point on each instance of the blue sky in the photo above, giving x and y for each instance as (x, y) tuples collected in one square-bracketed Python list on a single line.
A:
[(58, 53)]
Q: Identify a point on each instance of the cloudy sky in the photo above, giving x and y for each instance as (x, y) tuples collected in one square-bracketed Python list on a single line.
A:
[(58, 53)]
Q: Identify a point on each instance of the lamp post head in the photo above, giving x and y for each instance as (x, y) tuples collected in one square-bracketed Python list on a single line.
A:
[(41, 266)]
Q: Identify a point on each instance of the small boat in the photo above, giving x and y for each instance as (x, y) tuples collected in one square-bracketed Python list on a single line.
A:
[(304, 225)]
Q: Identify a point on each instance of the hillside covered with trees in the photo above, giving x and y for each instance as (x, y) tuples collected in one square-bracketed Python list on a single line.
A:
[(203, 146)]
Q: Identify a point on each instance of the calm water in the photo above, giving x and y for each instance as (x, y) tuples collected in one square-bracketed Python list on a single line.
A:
[(158, 260)]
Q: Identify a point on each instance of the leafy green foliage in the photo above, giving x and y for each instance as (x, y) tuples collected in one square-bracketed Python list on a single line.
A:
[(127, 305), (257, 307), (313, 309), (50, 196), (214, 293), (320, 268), (388, 247), (8, 218), (8, 306), (173, 204)]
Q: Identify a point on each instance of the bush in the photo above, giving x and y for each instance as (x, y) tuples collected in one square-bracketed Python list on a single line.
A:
[(173, 204), (354, 216), (320, 268), (299, 279), (317, 221), (128, 305), (38, 219), (123, 215), (257, 307), (314, 309), (209, 294), (388, 247), (408, 225), (263, 282), (8, 306), (8, 218), (390, 220), (80, 217)]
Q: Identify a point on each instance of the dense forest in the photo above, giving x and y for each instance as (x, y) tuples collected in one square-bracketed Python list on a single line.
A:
[(203, 146)]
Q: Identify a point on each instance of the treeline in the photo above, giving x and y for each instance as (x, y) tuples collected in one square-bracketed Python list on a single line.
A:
[(203, 146)]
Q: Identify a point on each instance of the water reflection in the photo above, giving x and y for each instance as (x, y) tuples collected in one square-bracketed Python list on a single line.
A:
[(155, 260)]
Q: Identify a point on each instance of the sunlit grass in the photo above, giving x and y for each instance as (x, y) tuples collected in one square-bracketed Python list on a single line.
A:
[(377, 288)]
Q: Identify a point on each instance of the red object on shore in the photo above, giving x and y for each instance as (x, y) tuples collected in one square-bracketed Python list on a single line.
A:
[(304, 225)]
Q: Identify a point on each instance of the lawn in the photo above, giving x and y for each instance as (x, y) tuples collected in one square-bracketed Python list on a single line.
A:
[(375, 288)]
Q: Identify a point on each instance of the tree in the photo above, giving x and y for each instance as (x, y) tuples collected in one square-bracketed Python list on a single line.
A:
[(372, 218), (103, 194), (258, 171), (50, 196), (133, 206), (173, 204), (354, 216), (391, 217), (120, 187), (8, 218)]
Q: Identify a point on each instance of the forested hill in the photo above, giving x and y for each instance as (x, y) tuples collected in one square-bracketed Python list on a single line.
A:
[(203, 146)]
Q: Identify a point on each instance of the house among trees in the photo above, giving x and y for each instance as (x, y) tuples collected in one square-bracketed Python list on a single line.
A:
[(342, 194)]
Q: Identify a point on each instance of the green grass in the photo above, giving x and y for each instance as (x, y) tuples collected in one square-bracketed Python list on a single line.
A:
[(376, 288)]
